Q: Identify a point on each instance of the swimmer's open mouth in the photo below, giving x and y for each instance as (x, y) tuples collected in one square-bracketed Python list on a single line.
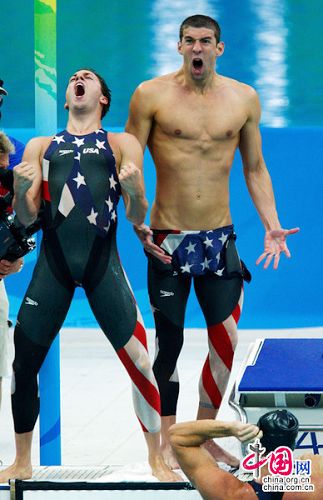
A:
[(79, 89), (197, 63)]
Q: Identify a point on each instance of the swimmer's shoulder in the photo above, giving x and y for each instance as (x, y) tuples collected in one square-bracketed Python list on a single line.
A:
[(152, 88), (239, 93), (242, 90), (38, 146)]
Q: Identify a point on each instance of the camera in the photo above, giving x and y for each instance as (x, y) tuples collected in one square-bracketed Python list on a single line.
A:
[(15, 239)]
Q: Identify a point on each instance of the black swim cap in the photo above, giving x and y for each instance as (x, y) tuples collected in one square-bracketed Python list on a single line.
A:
[(280, 428)]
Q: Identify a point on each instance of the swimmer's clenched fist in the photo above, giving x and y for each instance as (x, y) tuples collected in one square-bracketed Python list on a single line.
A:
[(24, 175), (130, 178), (245, 432)]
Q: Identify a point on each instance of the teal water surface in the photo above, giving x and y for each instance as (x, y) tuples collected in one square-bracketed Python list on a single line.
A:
[(273, 45)]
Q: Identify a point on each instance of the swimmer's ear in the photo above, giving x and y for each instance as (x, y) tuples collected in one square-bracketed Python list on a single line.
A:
[(219, 49), (104, 99), (179, 46)]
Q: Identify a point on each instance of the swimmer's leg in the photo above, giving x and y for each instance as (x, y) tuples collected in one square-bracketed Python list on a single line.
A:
[(168, 293), (116, 311), (40, 317), (221, 302)]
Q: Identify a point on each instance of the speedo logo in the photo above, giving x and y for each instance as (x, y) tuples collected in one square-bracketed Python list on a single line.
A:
[(63, 152), (30, 302), (164, 293), (90, 150)]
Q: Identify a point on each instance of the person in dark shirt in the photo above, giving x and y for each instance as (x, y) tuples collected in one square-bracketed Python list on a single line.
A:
[(6, 268), (15, 156), (11, 152)]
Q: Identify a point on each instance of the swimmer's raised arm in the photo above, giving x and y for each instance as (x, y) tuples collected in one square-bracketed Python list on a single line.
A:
[(131, 178), (212, 483), (28, 181)]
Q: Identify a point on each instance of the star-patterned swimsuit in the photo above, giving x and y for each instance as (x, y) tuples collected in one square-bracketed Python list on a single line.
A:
[(96, 196), (195, 252), (210, 260), (81, 191)]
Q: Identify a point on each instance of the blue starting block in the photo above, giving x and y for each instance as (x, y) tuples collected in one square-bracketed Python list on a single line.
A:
[(284, 373)]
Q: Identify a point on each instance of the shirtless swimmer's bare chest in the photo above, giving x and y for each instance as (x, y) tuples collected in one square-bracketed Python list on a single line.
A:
[(192, 142)]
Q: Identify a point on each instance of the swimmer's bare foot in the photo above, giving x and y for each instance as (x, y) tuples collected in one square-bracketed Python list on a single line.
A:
[(166, 449), (162, 472), (156, 460), (169, 457), (220, 455), (15, 472)]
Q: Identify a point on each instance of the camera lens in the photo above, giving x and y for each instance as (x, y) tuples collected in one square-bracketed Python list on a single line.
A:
[(312, 400)]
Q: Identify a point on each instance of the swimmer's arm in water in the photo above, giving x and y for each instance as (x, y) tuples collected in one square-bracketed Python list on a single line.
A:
[(260, 186), (27, 182), (131, 178), (197, 432), (187, 438)]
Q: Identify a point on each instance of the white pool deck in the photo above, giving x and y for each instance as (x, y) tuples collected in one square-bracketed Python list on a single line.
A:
[(99, 426)]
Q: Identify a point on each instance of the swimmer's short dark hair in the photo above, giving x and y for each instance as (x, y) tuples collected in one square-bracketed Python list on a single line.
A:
[(200, 21)]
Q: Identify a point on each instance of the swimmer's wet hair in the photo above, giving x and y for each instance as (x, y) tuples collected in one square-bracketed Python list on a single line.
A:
[(104, 88), (200, 21)]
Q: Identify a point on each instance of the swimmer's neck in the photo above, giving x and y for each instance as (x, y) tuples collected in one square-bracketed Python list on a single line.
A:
[(185, 79), (82, 125)]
